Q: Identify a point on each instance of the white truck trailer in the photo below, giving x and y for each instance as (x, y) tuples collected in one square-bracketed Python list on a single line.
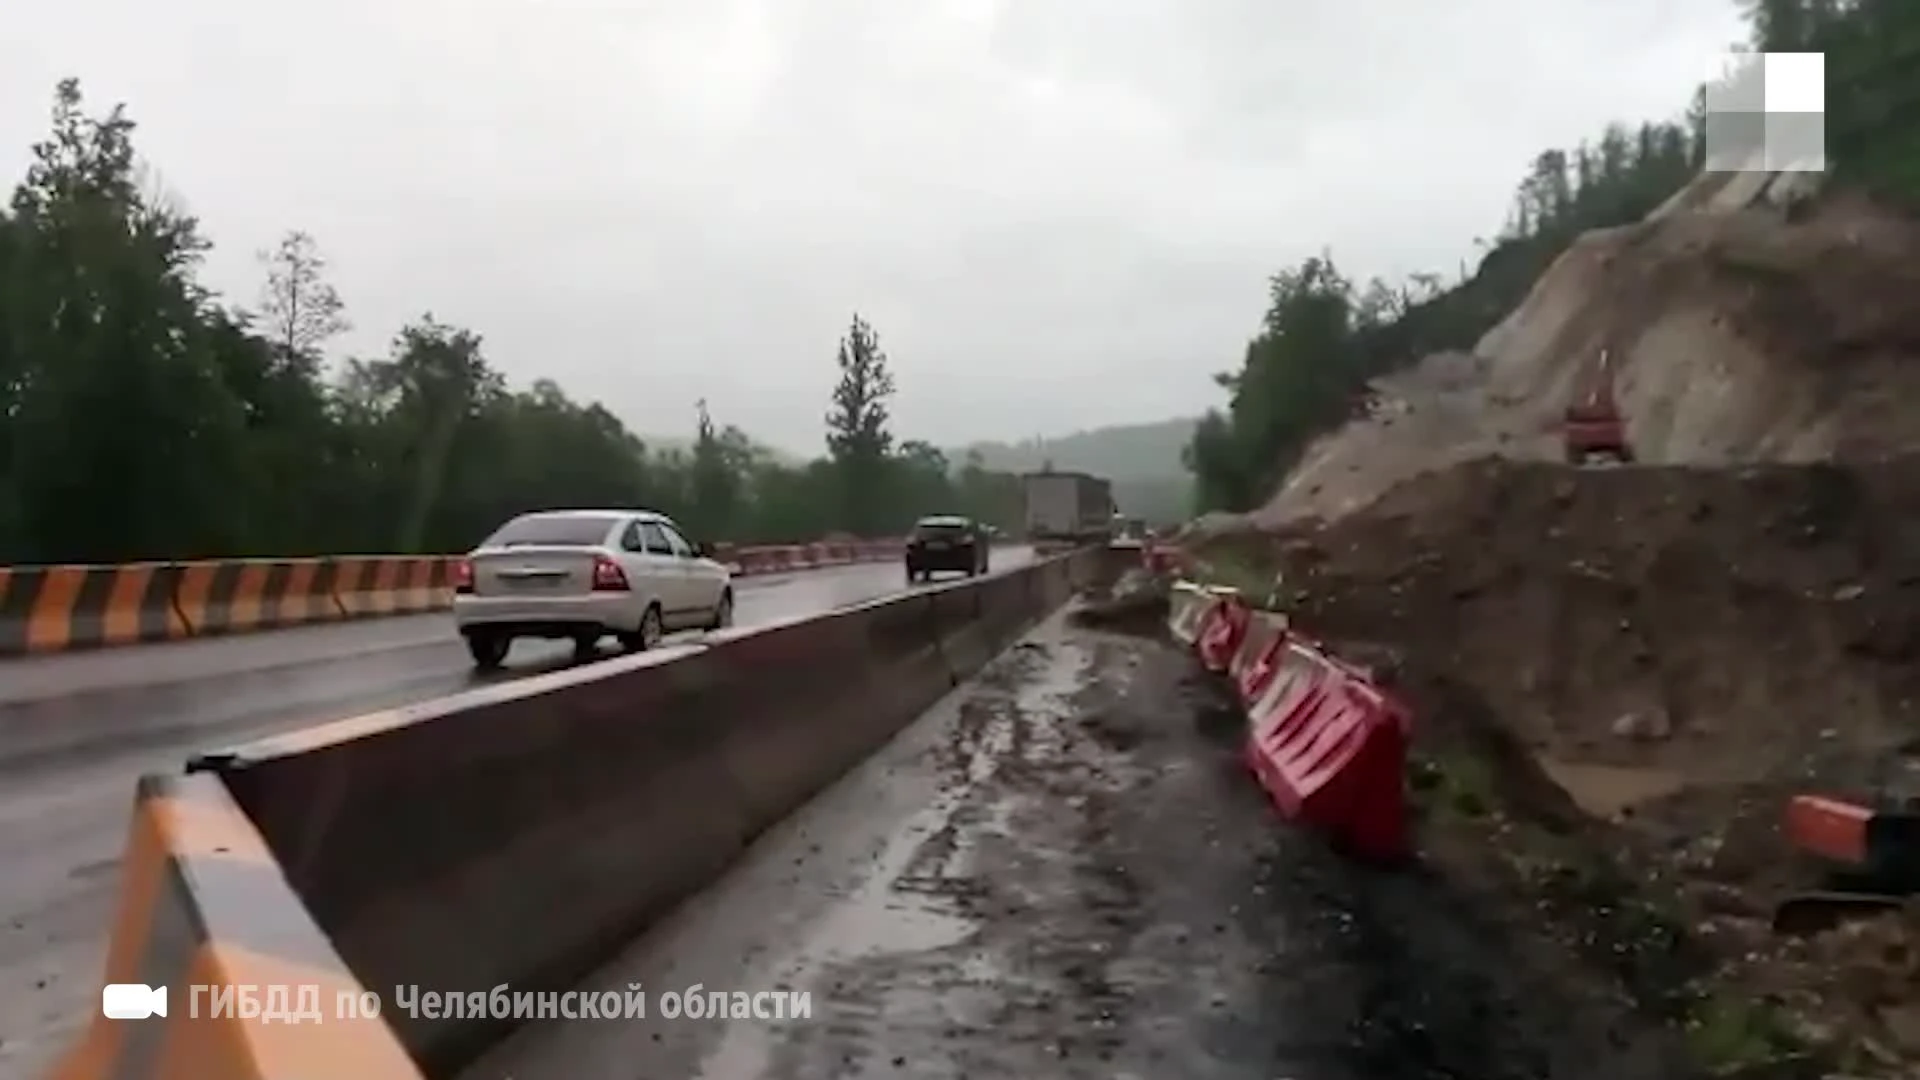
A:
[(1072, 507)]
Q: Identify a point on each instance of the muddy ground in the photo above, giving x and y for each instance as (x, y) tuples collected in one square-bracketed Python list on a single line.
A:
[(1621, 675), (1274, 956), (1066, 871), (1138, 911)]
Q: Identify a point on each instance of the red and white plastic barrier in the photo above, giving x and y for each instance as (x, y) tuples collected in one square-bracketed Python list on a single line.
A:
[(1162, 558), (786, 558), (1327, 745)]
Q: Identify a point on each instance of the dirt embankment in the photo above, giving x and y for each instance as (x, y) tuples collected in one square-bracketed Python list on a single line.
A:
[(1622, 674), (1736, 336), (1678, 649), (1721, 623)]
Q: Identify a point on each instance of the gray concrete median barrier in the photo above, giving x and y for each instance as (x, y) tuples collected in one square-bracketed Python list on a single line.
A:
[(518, 834)]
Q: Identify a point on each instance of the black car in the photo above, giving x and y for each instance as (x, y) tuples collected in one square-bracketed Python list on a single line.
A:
[(946, 542)]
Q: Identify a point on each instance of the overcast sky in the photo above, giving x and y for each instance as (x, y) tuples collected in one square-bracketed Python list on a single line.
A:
[(1057, 213)]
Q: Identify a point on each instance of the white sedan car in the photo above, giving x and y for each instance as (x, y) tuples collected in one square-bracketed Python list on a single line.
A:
[(584, 574)]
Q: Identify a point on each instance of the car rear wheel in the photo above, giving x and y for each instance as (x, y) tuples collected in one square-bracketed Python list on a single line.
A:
[(723, 611), (648, 635), (488, 649)]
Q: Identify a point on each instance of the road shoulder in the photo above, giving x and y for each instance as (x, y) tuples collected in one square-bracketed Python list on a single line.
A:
[(1063, 870)]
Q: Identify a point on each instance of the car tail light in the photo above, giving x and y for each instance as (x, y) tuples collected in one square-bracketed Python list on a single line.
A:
[(462, 576), (607, 575)]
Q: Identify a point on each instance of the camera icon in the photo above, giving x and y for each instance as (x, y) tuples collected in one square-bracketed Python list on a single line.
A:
[(132, 1001)]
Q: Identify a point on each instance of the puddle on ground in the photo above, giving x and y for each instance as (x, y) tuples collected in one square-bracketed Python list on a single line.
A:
[(888, 915), (1048, 692), (1605, 790), (877, 918)]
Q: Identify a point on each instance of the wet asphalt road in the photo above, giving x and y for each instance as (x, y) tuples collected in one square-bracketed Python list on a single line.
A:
[(63, 815)]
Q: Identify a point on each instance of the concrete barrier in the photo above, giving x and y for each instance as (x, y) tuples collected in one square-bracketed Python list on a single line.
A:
[(976, 620), (56, 608), (518, 834), (47, 609), (392, 584), (255, 594), (203, 904)]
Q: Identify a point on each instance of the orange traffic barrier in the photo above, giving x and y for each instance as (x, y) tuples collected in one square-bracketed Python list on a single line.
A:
[(392, 585), (207, 919), (254, 594), (1331, 753), (59, 608), (1327, 745), (1253, 666), (62, 608), (1161, 558), (1830, 829), (1186, 606), (1221, 629)]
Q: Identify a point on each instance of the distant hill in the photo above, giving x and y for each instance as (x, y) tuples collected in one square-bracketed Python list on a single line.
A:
[(1142, 460)]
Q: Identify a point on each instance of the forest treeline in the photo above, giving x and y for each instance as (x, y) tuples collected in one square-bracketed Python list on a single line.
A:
[(1324, 336), (142, 416)]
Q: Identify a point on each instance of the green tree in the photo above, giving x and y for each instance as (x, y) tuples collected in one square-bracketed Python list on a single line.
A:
[(1872, 50), (300, 311), (121, 440), (921, 481), (859, 438), (716, 478), (437, 382), (997, 498), (142, 418)]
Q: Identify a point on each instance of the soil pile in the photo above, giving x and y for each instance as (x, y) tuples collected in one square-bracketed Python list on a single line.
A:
[(1736, 335), (1718, 623), (1680, 649)]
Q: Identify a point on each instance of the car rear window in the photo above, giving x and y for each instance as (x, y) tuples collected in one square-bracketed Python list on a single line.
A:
[(940, 528), (570, 530)]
